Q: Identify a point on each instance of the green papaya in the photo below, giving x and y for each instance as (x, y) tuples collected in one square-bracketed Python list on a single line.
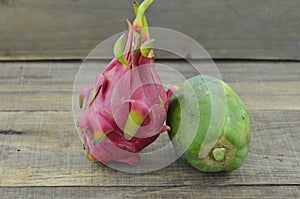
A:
[(209, 124)]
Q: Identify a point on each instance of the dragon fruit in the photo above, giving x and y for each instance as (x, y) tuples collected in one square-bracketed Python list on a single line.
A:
[(126, 109)]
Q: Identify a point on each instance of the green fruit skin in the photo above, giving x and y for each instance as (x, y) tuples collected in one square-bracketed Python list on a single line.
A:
[(232, 130)]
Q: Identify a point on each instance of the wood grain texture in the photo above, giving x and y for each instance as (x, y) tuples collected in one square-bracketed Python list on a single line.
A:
[(65, 29), (184, 192), (47, 86), (43, 149), (41, 154)]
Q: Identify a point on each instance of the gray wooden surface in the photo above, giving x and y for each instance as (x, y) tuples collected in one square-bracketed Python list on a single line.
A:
[(69, 29), (160, 192), (41, 155)]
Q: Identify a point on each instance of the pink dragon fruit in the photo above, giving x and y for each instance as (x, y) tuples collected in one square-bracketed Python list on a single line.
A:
[(126, 109)]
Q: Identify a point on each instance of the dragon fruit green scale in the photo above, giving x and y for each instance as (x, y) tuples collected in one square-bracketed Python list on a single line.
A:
[(126, 109)]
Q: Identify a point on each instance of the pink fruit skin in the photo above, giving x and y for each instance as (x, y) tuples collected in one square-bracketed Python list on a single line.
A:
[(127, 97)]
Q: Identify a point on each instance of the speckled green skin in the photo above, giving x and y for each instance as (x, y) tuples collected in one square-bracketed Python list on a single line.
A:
[(231, 128)]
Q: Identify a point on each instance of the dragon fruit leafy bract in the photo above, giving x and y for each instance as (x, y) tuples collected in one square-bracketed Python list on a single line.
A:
[(126, 108)]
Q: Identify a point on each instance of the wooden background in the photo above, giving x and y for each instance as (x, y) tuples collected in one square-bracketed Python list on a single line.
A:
[(41, 155), (69, 29), (256, 45)]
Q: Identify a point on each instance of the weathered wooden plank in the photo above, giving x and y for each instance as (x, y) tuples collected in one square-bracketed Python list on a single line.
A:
[(229, 192), (43, 149), (35, 86), (64, 29)]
